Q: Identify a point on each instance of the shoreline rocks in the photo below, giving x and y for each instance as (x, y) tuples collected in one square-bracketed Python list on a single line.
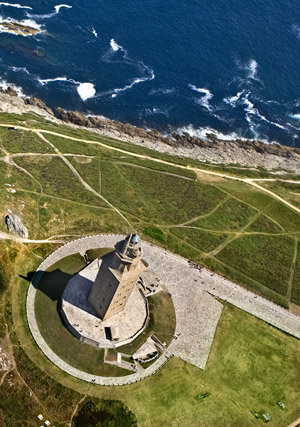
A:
[(240, 152)]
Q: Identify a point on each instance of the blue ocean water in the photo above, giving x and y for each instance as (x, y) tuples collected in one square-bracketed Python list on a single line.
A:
[(198, 65)]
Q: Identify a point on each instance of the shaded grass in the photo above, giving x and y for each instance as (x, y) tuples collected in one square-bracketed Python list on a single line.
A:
[(266, 259)]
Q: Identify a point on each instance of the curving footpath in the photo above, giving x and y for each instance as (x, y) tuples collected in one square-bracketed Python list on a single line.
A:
[(193, 293)]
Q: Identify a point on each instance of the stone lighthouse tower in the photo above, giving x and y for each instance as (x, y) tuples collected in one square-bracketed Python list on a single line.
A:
[(117, 276)]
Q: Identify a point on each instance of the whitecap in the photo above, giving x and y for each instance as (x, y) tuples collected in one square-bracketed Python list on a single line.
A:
[(24, 22), (252, 69), (94, 32), (205, 132), (162, 91), (59, 6), (204, 101), (156, 110), (115, 46), (5, 85), (20, 69), (295, 116), (109, 57), (56, 79), (86, 91), (232, 100), (49, 15), (114, 92), (251, 110), (17, 5)]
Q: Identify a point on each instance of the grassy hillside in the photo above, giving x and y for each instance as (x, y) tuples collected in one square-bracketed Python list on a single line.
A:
[(66, 188)]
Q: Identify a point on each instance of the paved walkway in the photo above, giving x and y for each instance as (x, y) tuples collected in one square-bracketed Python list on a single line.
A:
[(197, 311)]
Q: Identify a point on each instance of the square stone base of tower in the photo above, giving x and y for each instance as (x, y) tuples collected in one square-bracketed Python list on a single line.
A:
[(83, 321)]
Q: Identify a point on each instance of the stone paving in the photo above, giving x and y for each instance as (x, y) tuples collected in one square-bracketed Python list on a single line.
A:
[(197, 311)]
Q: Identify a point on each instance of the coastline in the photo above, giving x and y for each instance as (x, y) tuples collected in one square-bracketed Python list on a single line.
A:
[(239, 152)]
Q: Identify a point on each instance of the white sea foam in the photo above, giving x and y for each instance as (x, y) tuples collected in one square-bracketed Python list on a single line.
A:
[(162, 91), (124, 58), (207, 96), (204, 133), (59, 6), (252, 111), (86, 91), (5, 85), (56, 79), (155, 110), (49, 15), (24, 22), (232, 100), (20, 69), (94, 32), (252, 69), (295, 116), (116, 91), (115, 46), (17, 5)]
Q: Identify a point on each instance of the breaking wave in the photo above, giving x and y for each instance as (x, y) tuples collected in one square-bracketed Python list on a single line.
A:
[(17, 5), (207, 96), (108, 57), (5, 85), (20, 69), (295, 116), (205, 132), (25, 22), (85, 90), (232, 100), (252, 111), (49, 15), (115, 46)]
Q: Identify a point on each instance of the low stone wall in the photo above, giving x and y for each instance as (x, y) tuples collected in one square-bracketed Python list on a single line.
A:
[(193, 293)]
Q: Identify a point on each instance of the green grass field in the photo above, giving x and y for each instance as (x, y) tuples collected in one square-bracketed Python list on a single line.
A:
[(233, 228), (251, 366), (208, 219)]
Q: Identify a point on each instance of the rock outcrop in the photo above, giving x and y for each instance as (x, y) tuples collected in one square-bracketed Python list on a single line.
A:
[(15, 225), (38, 103), (9, 91)]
